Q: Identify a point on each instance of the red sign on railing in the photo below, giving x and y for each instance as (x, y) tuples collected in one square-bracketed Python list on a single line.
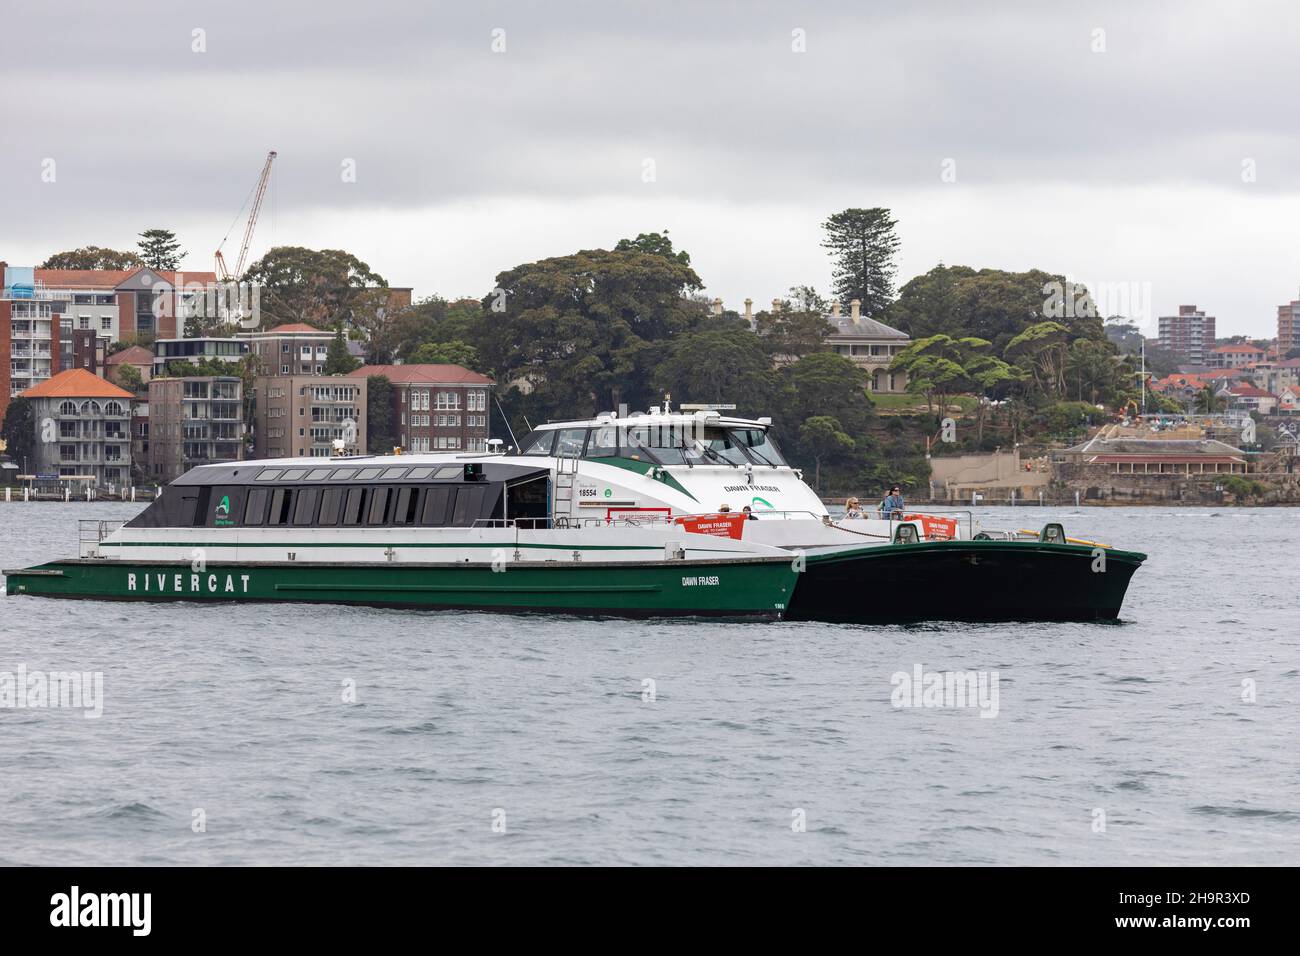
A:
[(935, 528), (722, 525)]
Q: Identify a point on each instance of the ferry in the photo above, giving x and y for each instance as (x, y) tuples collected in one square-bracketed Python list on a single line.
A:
[(652, 513)]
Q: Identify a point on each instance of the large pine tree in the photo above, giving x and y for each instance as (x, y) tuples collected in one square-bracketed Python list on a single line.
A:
[(159, 249), (863, 244)]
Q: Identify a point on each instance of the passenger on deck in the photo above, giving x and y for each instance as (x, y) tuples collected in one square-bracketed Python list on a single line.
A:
[(749, 513), (852, 509), (893, 504), (723, 509)]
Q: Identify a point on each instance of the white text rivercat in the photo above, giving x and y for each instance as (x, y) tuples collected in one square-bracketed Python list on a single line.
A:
[(197, 583)]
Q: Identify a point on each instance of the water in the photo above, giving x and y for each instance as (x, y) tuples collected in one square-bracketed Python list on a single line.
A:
[(238, 711)]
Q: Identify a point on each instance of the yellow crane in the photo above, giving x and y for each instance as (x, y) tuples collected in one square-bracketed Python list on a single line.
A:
[(257, 195)]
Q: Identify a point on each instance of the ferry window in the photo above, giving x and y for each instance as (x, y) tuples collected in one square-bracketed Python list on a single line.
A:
[(343, 474), (256, 509), (355, 506), (304, 512), (419, 474), (712, 445), (268, 474), (329, 506), (604, 442), (435, 507), (392, 473), (450, 471), (318, 474), (760, 447), (293, 474), (281, 506), (538, 443), (406, 509), (469, 506), (570, 441), (367, 474), (661, 443), (379, 505)]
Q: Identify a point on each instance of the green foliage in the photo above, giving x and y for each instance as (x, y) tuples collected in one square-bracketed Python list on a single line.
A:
[(338, 360), (92, 257), (381, 432), (718, 365), (1068, 419), (159, 249), (181, 368), (863, 244), (822, 437), (326, 288), (454, 352), (19, 432), (129, 377), (1242, 487), (655, 244), (792, 332)]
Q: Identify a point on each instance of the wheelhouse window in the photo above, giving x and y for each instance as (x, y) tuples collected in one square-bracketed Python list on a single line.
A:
[(255, 511), (569, 441), (759, 445), (436, 501), (538, 443), (379, 505), (406, 507), (268, 474), (354, 508), (304, 512), (603, 443), (330, 500), (281, 506)]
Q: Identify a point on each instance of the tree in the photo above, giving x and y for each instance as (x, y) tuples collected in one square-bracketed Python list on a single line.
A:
[(92, 257), (19, 431), (793, 333), (656, 244), (863, 245), (159, 249), (804, 298), (326, 288), (1040, 350), (381, 436), (823, 439), (338, 360), (454, 352), (940, 366), (587, 329), (129, 377), (719, 366)]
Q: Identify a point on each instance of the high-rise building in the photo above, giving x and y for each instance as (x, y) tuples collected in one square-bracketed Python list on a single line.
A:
[(1288, 327), (1190, 333)]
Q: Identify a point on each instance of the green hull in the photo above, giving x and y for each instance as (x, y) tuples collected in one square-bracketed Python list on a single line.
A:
[(750, 587)]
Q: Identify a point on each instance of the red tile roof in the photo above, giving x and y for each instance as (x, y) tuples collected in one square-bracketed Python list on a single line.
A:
[(1245, 390), (75, 383), (424, 374), (112, 278), (300, 327)]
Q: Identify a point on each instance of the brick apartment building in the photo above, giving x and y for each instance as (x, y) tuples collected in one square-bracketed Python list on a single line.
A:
[(195, 420), (291, 349), (301, 416), (53, 320), (436, 407), (1190, 333)]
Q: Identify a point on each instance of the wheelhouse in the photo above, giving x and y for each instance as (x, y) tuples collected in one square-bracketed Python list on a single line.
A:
[(659, 441), (350, 493)]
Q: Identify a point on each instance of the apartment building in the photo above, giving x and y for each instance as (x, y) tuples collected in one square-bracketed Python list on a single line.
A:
[(1235, 356), (52, 320), (91, 418), (291, 349), (195, 420), (1288, 327), (194, 351), (436, 407), (1190, 333), (301, 416)]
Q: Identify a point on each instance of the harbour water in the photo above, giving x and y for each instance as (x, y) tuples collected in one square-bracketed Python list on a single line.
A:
[(315, 734)]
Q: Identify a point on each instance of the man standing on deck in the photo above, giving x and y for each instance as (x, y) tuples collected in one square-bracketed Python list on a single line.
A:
[(893, 504)]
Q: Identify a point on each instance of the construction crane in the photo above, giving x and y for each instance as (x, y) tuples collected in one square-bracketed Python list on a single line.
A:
[(258, 193)]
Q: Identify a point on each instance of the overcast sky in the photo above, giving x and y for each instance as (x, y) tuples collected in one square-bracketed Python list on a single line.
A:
[(1127, 167)]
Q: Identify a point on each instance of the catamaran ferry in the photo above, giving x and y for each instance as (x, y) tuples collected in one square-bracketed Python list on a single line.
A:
[(655, 513)]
